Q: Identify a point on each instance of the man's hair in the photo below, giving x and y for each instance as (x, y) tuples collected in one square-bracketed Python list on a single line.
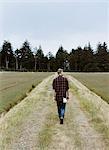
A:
[(60, 71)]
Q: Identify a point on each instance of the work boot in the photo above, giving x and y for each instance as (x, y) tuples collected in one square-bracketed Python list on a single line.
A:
[(61, 120)]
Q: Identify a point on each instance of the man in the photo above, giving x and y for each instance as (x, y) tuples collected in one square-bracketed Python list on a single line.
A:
[(61, 87)]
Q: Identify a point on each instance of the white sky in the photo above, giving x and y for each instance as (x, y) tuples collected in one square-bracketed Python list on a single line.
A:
[(53, 23)]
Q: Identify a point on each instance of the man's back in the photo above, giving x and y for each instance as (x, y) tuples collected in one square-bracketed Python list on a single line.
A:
[(60, 85)]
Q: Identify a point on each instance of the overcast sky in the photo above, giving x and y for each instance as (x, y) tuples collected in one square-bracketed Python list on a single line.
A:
[(52, 23)]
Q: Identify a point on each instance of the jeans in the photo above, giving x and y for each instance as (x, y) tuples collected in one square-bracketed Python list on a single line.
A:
[(61, 109)]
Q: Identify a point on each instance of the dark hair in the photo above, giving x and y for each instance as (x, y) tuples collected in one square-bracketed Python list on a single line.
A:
[(60, 71)]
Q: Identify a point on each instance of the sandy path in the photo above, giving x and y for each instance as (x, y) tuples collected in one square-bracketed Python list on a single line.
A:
[(40, 129)]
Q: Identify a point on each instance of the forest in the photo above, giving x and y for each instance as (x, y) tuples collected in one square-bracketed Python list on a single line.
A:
[(80, 59)]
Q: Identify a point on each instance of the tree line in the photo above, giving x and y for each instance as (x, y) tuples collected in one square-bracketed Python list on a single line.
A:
[(80, 59)]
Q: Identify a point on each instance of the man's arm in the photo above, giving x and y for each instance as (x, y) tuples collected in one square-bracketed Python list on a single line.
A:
[(67, 94), (67, 89), (54, 86)]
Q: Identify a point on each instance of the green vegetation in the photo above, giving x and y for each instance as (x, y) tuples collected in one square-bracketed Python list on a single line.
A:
[(14, 120), (72, 127), (96, 82), (14, 86), (46, 134), (78, 59), (94, 115), (95, 119), (36, 125)]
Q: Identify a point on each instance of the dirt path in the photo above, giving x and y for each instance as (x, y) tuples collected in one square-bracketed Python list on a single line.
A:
[(76, 133), (39, 128)]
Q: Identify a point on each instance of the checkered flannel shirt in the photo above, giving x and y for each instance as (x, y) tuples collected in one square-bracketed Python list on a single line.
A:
[(60, 85)]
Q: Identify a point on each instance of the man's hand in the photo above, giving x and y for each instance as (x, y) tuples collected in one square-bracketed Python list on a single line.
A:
[(67, 97)]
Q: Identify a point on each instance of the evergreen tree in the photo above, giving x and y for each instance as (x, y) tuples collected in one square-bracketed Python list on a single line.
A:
[(16, 54), (40, 58), (89, 48), (87, 57), (79, 59), (7, 57), (61, 57), (0, 59), (51, 62), (26, 57)]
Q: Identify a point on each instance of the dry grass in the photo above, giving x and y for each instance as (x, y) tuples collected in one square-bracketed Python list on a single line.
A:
[(45, 136), (16, 117), (36, 126), (95, 109)]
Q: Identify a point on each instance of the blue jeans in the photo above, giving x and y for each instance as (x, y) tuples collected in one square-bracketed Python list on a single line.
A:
[(61, 109)]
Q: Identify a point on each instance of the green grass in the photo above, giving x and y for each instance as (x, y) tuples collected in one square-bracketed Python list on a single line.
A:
[(14, 86), (72, 128), (45, 136), (93, 113), (96, 82), (99, 124)]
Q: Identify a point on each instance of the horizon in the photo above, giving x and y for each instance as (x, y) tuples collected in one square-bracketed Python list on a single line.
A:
[(52, 23)]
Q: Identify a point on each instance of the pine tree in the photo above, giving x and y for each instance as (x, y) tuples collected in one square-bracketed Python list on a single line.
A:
[(7, 56), (26, 57)]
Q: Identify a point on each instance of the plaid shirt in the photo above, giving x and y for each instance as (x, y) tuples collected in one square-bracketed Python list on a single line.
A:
[(60, 85)]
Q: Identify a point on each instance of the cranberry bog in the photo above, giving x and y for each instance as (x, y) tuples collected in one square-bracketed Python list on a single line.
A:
[(96, 82), (14, 86)]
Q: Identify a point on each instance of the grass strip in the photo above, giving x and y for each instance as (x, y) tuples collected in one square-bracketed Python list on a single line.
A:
[(11, 123), (93, 113), (45, 136), (72, 128)]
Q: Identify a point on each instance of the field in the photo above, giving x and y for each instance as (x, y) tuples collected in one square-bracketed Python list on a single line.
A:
[(36, 124), (14, 86), (96, 82)]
